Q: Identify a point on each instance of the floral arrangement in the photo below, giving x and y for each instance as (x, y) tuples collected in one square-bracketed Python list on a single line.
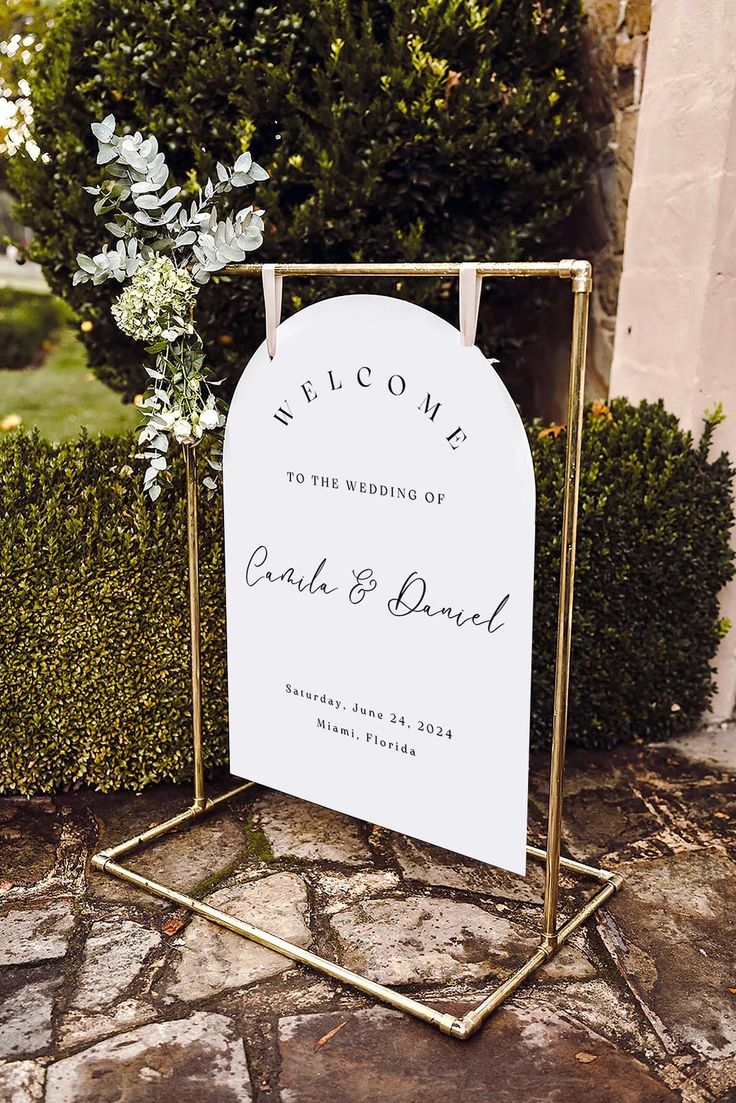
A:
[(166, 245)]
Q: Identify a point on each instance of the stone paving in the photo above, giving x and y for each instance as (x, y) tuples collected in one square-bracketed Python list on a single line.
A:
[(109, 995)]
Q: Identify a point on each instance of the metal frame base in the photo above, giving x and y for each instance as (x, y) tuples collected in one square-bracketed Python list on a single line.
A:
[(461, 1028), (553, 935)]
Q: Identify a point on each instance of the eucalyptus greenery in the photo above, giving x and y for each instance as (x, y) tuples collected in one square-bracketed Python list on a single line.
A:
[(165, 246)]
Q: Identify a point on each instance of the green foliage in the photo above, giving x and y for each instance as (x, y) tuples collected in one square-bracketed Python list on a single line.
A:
[(652, 554), (94, 678), (28, 319), (392, 131)]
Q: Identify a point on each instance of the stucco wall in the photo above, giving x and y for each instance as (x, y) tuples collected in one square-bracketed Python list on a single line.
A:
[(675, 334)]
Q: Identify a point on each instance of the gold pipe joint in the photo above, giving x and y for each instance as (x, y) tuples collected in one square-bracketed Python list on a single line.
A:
[(581, 272)]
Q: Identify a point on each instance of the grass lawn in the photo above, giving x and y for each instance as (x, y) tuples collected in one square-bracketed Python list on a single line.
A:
[(62, 395)]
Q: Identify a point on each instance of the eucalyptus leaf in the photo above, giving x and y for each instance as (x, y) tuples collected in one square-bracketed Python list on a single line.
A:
[(147, 202), (162, 244), (231, 253), (142, 186), (171, 213), (172, 193)]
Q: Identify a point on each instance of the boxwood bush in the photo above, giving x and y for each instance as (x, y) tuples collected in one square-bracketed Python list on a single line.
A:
[(392, 130), (28, 321), (94, 679)]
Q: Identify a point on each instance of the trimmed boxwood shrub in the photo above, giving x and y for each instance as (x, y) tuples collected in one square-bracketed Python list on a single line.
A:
[(94, 678), (392, 130), (28, 319)]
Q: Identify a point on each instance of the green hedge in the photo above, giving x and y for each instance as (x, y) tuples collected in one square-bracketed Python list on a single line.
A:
[(28, 319), (392, 131), (94, 681)]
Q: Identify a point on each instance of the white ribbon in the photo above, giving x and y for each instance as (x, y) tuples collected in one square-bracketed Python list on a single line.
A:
[(470, 288), (272, 288)]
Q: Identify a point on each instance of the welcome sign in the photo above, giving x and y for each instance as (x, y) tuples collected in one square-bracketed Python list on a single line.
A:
[(379, 528)]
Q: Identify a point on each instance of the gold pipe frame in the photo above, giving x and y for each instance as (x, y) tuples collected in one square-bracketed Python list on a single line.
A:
[(553, 934)]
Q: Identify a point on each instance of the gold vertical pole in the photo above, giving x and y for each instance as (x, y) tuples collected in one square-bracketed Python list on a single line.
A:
[(190, 464), (581, 285)]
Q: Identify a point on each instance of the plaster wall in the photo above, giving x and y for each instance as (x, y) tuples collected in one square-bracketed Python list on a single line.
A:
[(675, 335)]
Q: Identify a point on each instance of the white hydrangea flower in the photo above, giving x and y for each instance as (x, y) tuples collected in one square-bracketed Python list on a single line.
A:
[(157, 302)]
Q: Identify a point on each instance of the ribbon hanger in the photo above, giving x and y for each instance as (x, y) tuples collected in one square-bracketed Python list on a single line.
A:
[(272, 289), (470, 289)]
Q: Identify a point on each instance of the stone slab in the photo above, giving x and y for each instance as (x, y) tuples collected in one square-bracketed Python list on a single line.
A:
[(114, 955), (184, 860), (713, 747), (83, 1027), (297, 829), (21, 1082), (433, 866), (420, 939), (605, 1006), (601, 822), (336, 891), (528, 1055), (674, 939), (569, 963), (186, 1060), (119, 955), (26, 1017), (34, 934), (213, 960)]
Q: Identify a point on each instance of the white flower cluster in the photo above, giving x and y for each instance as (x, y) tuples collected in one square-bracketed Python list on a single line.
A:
[(168, 240), (157, 302), (190, 430)]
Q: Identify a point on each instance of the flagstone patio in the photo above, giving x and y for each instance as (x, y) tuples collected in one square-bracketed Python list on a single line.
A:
[(107, 994)]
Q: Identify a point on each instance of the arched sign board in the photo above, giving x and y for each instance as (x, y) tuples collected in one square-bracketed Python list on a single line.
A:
[(379, 538)]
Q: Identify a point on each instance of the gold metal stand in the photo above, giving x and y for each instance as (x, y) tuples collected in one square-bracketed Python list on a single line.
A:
[(554, 934)]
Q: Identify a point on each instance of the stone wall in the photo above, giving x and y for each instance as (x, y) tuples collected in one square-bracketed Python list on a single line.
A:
[(617, 35), (616, 47)]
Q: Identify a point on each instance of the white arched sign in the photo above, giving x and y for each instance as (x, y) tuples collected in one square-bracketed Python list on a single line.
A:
[(379, 537)]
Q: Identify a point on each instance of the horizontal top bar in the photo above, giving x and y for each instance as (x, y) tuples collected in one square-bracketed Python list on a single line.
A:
[(578, 270)]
